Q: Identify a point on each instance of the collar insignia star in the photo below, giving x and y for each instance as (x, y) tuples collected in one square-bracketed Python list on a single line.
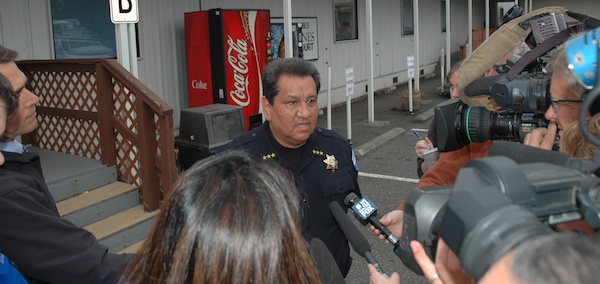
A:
[(317, 152), (268, 156), (331, 162)]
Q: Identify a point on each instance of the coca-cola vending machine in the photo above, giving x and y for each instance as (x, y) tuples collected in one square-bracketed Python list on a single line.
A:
[(227, 51)]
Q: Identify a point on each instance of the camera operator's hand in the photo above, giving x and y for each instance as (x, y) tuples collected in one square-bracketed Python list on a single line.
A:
[(393, 221), (427, 266), (448, 265), (542, 137), (422, 146), (378, 278)]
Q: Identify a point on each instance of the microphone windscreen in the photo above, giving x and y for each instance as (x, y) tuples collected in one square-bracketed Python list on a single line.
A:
[(325, 263), (524, 154), (354, 236)]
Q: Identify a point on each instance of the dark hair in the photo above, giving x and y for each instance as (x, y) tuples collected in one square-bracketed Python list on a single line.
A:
[(7, 55), (231, 218), (8, 97), (564, 257), (294, 66)]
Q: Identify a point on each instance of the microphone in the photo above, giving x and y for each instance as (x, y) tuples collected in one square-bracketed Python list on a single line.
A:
[(365, 211), (325, 263), (358, 241)]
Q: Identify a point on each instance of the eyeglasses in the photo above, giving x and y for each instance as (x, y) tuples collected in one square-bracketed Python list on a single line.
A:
[(555, 102)]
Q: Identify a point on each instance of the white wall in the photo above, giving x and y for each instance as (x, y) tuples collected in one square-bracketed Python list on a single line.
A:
[(25, 26), (390, 47), (586, 7)]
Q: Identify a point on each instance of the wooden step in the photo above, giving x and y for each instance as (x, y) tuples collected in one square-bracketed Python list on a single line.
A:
[(134, 248), (123, 229), (69, 175), (95, 205)]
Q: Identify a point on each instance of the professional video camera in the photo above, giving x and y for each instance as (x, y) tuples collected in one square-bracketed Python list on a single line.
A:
[(496, 203), (524, 99)]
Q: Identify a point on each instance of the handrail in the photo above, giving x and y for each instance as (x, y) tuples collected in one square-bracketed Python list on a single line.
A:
[(97, 109)]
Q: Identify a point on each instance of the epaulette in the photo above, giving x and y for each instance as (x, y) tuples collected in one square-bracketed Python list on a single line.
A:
[(330, 133), (247, 138)]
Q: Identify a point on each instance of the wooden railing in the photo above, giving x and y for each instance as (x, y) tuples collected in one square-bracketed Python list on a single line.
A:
[(95, 108)]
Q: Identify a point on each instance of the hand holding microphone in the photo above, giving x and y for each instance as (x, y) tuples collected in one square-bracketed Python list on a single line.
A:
[(366, 211)]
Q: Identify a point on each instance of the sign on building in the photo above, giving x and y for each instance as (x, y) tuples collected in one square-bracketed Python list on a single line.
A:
[(124, 11)]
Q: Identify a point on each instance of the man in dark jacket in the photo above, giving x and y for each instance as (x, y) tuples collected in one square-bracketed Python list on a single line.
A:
[(322, 161), (43, 246)]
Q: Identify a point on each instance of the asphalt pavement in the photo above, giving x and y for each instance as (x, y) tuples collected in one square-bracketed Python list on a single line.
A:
[(386, 160)]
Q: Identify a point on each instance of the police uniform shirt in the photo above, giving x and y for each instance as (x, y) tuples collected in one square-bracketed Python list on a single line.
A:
[(325, 171)]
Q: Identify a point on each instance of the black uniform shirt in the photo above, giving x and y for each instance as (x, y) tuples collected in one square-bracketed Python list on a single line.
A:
[(318, 184)]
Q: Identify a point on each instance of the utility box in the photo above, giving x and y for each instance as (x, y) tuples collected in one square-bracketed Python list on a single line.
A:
[(206, 128)]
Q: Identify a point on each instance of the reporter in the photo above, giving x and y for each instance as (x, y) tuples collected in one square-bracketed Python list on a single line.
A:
[(231, 218), (430, 141)]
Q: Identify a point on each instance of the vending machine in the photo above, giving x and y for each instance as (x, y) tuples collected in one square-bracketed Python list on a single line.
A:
[(227, 51)]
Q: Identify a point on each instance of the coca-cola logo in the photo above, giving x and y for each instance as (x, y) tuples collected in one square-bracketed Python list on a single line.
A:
[(199, 85), (237, 57)]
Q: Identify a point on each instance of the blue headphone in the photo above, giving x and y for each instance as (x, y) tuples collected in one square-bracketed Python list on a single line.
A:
[(582, 55)]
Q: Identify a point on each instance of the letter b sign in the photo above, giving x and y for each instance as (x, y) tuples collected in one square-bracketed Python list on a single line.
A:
[(124, 11)]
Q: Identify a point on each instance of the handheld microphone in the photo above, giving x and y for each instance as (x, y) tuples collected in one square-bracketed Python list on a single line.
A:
[(356, 239), (365, 211)]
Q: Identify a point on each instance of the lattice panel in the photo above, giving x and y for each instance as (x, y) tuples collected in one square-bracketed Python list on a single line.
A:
[(124, 106), (68, 90), (73, 136), (72, 91), (128, 162), (127, 159)]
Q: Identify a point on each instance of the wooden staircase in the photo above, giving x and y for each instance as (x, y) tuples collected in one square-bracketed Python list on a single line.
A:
[(88, 194)]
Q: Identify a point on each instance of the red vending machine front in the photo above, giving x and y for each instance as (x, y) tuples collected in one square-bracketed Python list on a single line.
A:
[(199, 70), (238, 46)]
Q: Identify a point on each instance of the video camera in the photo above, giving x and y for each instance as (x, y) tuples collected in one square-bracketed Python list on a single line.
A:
[(524, 99), (496, 203), (524, 102)]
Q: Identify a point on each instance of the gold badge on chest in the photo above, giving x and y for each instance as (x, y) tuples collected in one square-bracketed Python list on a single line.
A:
[(331, 162)]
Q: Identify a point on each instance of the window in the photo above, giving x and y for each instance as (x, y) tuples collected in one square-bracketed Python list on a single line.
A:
[(408, 23), (345, 20), (82, 29), (443, 16)]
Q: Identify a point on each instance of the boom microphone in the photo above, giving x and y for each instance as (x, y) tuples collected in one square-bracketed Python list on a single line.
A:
[(356, 239), (366, 211)]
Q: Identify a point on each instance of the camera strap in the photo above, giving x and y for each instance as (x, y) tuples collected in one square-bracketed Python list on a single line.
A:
[(552, 42), (538, 51)]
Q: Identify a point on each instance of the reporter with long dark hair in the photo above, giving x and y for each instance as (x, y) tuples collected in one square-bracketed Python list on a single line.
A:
[(231, 218)]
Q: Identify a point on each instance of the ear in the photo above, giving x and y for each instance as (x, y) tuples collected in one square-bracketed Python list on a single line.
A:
[(267, 108)]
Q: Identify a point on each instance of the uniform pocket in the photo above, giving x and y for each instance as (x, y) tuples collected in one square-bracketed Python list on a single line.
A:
[(338, 182)]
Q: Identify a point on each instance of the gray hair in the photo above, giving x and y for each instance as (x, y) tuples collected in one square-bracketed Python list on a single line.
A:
[(7, 55), (559, 66), (564, 257)]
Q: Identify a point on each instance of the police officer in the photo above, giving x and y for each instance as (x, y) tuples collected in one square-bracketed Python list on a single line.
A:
[(321, 160)]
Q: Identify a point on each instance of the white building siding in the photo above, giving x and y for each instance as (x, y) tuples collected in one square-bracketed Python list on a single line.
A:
[(26, 26)]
